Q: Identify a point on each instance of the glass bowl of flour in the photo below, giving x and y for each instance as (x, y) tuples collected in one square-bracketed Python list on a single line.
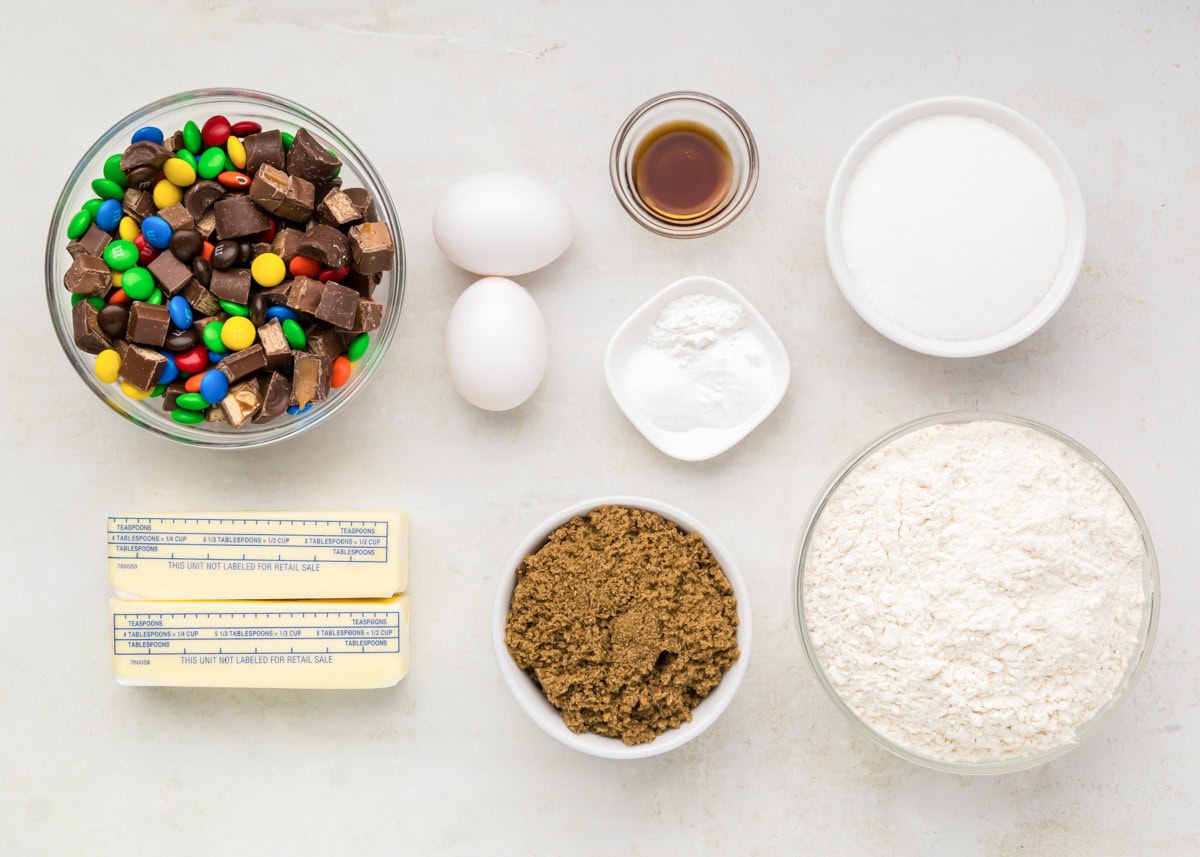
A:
[(977, 592)]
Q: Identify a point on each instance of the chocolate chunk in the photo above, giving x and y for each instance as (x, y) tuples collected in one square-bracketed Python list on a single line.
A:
[(276, 396), (144, 153), (200, 299), (232, 285), (178, 217), (215, 415), (364, 202), (310, 378), (200, 197), (120, 346), (258, 248), (372, 247), (286, 196), (141, 178), (364, 284), (239, 364), (309, 160), (338, 305), (175, 142), (337, 209), (86, 328), (186, 244), (138, 204), (323, 189), (171, 273), (148, 324), (91, 242), (305, 294), (207, 225), (285, 242), (326, 342), (224, 255), (275, 345), (179, 341), (89, 276), (170, 396), (238, 216), (265, 147), (142, 367), (326, 245), (367, 317), (278, 296), (241, 402), (113, 320)]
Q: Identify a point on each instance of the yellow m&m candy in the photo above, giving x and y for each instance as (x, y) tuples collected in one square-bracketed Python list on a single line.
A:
[(268, 270)]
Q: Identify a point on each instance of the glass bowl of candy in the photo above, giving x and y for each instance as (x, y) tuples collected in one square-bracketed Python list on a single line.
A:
[(225, 268)]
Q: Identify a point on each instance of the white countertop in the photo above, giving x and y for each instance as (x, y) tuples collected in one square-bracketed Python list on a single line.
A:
[(447, 763)]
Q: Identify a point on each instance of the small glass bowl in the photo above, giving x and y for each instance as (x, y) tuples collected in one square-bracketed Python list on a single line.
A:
[(704, 110), (1133, 670), (170, 114)]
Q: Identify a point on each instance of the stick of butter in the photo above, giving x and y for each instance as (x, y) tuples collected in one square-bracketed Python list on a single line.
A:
[(239, 555), (296, 644)]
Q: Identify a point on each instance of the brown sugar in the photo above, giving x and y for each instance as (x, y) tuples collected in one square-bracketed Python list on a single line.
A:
[(626, 622)]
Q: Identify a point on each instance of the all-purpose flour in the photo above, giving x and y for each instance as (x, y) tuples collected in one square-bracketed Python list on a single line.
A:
[(974, 590), (953, 227)]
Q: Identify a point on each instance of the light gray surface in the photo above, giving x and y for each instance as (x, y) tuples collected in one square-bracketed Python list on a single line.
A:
[(447, 763)]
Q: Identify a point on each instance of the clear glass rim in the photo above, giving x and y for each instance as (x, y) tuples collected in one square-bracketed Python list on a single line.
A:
[(1150, 607), (190, 435), (619, 176)]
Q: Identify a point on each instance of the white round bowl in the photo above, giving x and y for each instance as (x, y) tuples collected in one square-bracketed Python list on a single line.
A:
[(1032, 135), (530, 697)]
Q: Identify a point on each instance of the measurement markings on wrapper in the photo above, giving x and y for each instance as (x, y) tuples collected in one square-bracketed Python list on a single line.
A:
[(216, 636), (244, 544)]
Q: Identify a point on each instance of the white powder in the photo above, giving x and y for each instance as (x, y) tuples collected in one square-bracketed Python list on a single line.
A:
[(700, 366), (974, 591), (953, 227)]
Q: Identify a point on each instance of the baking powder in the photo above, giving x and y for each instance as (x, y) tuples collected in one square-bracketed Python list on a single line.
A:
[(974, 591), (953, 227), (700, 367)]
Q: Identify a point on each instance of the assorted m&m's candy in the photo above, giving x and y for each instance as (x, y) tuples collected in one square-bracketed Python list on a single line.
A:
[(224, 269)]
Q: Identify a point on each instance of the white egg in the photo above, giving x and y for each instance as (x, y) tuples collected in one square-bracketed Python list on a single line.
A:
[(496, 347), (502, 224)]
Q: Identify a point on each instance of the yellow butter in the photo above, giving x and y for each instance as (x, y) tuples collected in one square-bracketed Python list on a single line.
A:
[(335, 644), (241, 555)]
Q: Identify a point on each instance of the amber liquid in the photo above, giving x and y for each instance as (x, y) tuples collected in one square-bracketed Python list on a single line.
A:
[(682, 171)]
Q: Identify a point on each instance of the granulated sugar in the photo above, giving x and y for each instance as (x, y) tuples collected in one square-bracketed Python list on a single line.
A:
[(953, 227), (974, 591)]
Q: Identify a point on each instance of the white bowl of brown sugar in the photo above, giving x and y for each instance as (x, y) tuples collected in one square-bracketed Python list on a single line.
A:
[(622, 627)]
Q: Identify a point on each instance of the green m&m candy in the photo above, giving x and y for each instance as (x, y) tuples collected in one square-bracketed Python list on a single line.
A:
[(358, 347), (192, 138), (210, 164), (212, 337), (107, 189), (112, 170), (79, 224), (121, 255), (183, 415), (137, 283)]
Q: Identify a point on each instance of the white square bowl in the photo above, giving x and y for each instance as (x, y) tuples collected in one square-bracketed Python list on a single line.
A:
[(697, 444)]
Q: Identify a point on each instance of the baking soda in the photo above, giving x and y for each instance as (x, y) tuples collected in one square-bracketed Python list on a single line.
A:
[(953, 228), (700, 367)]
